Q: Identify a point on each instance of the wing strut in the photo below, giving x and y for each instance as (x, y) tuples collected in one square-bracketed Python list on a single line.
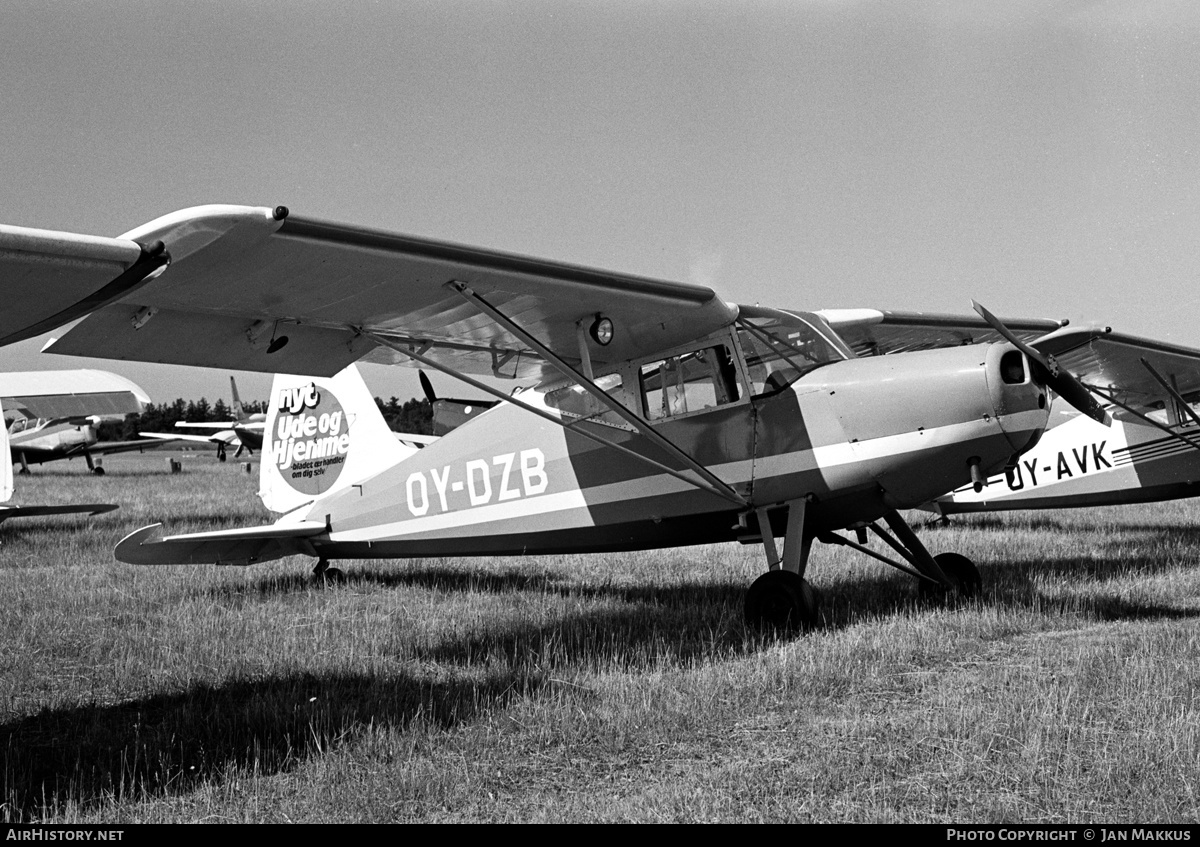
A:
[(724, 492), (1170, 389), (1177, 435), (633, 419)]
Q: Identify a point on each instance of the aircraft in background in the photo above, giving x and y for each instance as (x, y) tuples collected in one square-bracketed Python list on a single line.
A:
[(245, 431), (53, 415), (1078, 463), (1149, 453), (449, 413), (656, 414), (6, 474)]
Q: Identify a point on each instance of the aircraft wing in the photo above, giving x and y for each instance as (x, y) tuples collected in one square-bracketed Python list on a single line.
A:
[(162, 438), (259, 289), (872, 332), (50, 278), (139, 445), (7, 512), (70, 394), (1116, 364)]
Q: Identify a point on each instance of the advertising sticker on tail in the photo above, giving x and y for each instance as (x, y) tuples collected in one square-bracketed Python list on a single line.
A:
[(319, 434)]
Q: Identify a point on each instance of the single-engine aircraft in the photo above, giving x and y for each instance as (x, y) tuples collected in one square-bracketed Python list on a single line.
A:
[(1079, 463), (656, 414), (1149, 453), (53, 415), (245, 431), (6, 491)]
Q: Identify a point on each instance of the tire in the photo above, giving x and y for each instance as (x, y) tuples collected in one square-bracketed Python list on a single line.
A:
[(961, 572), (781, 601)]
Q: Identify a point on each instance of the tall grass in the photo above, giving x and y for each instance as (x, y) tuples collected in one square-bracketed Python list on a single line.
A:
[(590, 688)]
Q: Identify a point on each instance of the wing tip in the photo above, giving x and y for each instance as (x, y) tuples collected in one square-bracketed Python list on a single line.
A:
[(131, 548)]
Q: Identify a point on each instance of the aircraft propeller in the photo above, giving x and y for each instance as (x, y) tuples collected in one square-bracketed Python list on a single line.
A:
[(427, 387), (1048, 372)]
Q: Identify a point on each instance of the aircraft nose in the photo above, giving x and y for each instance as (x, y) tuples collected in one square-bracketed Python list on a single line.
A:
[(1019, 401), (920, 420)]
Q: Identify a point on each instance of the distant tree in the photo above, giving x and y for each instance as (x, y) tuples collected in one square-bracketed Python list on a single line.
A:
[(413, 415)]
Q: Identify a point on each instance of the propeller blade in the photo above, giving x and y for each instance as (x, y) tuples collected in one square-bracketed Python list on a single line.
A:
[(1046, 368), (427, 387)]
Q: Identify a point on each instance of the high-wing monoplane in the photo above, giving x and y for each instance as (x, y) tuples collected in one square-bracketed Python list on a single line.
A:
[(654, 413), (53, 415)]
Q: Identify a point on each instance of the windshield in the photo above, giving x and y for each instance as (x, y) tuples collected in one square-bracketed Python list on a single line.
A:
[(780, 348)]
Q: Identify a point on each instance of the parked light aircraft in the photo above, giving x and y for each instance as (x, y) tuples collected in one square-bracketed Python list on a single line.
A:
[(245, 431), (6, 493), (1148, 454), (53, 415), (31, 391), (1078, 463), (658, 414)]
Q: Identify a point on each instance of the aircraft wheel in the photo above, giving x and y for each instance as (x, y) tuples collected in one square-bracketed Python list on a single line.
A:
[(962, 573), (330, 576), (781, 600)]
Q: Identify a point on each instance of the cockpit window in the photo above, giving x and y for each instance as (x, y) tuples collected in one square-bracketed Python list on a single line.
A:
[(574, 401), (690, 382), (781, 348)]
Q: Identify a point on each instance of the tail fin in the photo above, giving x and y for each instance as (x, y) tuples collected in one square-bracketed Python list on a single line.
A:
[(6, 466), (238, 413), (322, 435)]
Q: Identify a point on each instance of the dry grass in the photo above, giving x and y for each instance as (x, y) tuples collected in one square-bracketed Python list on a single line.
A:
[(590, 688)]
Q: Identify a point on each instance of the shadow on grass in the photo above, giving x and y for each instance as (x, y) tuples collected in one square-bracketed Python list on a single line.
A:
[(169, 744), (172, 743)]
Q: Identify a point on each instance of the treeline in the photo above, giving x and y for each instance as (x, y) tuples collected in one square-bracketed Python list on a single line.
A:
[(412, 415)]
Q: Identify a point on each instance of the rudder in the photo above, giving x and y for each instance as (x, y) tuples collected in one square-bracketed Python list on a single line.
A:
[(322, 435)]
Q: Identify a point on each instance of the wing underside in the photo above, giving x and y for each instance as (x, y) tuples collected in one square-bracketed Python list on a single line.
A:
[(257, 289)]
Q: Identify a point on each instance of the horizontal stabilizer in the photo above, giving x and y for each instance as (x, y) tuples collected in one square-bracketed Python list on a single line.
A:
[(244, 546), (7, 512)]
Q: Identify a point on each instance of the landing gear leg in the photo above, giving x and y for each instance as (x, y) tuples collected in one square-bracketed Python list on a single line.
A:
[(782, 599), (324, 575), (24, 471), (92, 466), (939, 575)]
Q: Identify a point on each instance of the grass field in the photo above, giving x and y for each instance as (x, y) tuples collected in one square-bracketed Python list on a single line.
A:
[(590, 688)]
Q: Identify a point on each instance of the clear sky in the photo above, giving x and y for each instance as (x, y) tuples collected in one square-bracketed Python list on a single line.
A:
[(1042, 157)]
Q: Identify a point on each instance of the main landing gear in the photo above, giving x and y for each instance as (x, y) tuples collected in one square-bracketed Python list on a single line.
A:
[(96, 469), (783, 600), (324, 576)]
